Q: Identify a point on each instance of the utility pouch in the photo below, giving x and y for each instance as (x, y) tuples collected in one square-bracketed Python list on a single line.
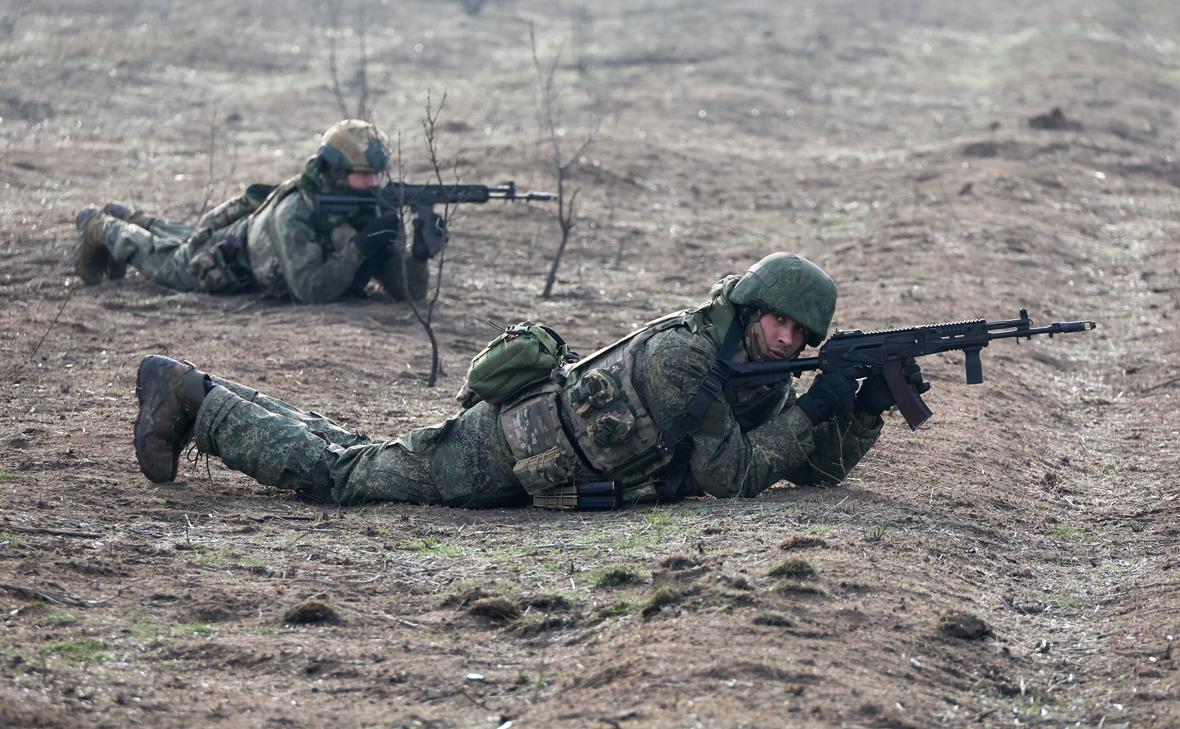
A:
[(525, 354), (220, 267), (539, 473), (593, 496)]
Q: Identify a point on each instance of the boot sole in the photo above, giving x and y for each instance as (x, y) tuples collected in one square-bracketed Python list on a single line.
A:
[(150, 393), (91, 275)]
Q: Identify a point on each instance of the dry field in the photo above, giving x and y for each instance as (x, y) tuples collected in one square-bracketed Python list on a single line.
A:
[(889, 140)]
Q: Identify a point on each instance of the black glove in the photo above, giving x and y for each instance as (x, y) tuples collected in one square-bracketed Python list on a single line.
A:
[(831, 394), (874, 396), (430, 235), (379, 235)]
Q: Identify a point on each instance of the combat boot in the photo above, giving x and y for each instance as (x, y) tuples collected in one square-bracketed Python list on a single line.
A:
[(118, 210), (118, 269), (127, 215), (170, 394), (92, 255)]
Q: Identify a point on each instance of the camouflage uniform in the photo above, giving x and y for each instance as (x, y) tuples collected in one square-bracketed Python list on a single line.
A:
[(744, 444), (274, 247), (268, 239)]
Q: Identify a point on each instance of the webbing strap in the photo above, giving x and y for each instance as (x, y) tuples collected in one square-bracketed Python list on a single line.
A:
[(676, 434)]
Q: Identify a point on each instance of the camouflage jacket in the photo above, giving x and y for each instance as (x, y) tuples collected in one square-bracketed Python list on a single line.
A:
[(603, 418), (757, 440), (293, 257)]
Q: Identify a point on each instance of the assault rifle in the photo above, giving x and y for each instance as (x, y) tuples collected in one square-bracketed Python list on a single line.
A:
[(866, 353), (422, 199)]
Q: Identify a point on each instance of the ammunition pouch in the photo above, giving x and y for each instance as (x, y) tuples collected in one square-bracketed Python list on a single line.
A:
[(591, 496), (586, 440), (608, 419), (545, 456), (220, 266)]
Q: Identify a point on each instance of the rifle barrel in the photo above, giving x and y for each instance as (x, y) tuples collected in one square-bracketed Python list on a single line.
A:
[(1057, 327)]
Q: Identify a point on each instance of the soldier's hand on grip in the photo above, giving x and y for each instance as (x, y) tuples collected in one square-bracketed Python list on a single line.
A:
[(430, 236), (379, 235), (874, 396), (831, 394)]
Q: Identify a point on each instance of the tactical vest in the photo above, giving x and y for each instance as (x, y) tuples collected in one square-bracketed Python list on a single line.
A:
[(219, 257), (589, 431), (251, 201)]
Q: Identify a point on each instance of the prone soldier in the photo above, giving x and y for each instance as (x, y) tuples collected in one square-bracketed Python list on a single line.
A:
[(270, 239), (634, 421)]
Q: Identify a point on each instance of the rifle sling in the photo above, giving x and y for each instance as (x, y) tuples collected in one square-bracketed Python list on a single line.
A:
[(678, 433)]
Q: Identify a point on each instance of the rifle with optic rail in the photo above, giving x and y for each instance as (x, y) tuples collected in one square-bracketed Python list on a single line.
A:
[(421, 199), (866, 353)]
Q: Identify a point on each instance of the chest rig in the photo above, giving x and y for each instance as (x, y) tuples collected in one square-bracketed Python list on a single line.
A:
[(586, 440)]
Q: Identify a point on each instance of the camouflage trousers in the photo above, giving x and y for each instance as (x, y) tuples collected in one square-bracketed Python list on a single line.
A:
[(463, 461), (177, 256)]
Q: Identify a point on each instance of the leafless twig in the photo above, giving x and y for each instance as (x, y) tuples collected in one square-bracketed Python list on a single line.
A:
[(9, 20), (422, 317), (333, 31), (57, 597), (359, 26), (54, 532), (362, 103), (566, 205), (430, 130), (211, 173), (1158, 385), (16, 368)]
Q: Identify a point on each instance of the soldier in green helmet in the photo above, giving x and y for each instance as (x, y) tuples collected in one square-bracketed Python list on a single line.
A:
[(635, 421), (269, 239)]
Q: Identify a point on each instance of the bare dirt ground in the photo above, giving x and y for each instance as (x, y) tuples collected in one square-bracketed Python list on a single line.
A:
[(889, 141)]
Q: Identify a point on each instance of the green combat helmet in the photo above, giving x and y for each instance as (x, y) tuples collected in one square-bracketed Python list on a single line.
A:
[(789, 284), (354, 145)]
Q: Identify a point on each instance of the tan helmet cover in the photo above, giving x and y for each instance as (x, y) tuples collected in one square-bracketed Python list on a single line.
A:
[(354, 145)]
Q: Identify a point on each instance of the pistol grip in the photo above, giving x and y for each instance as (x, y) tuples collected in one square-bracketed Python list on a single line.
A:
[(974, 364), (430, 225), (909, 401)]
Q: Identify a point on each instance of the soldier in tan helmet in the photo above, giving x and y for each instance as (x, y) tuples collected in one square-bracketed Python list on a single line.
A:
[(270, 240), (609, 429)]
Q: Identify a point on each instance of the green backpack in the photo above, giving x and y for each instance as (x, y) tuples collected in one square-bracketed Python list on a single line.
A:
[(525, 354)]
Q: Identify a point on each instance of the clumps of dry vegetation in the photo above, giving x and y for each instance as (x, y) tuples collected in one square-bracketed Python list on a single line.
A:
[(679, 562), (547, 603), (525, 616), (773, 619), (616, 609), (311, 612), (963, 624), (794, 569), (464, 597), (616, 577), (798, 587), (481, 603), (802, 541), (496, 609), (660, 598), (679, 568), (529, 625), (737, 582)]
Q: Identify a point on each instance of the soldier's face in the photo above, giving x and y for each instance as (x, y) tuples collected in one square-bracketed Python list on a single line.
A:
[(364, 180), (784, 336)]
